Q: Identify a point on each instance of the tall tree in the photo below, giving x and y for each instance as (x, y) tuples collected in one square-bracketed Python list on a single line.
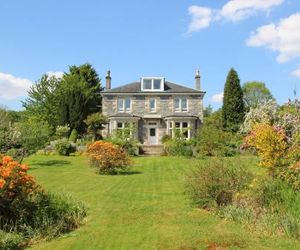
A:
[(42, 100), (233, 110), (79, 96), (255, 93)]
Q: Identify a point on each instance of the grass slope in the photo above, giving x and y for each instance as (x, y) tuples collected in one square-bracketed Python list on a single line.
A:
[(143, 210)]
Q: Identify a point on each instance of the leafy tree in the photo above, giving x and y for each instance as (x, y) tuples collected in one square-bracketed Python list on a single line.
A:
[(233, 104), (208, 111), (255, 93), (79, 96), (95, 123), (33, 134), (214, 120), (42, 101)]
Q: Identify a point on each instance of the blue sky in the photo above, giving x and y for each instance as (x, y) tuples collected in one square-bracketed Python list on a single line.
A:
[(259, 38)]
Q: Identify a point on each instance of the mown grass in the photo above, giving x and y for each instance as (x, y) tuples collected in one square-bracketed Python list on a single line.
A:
[(144, 209)]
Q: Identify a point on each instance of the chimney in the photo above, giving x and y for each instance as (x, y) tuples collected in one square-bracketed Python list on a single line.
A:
[(108, 80), (197, 80)]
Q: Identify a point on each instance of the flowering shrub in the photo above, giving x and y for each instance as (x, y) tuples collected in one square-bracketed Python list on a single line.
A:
[(14, 180), (107, 157), (28, 211), (265, 113), (286, 117), (270, 143), (280, 154)]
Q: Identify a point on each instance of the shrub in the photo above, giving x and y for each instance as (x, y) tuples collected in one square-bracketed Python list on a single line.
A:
[(211, 141), (124, 138), (270, 143), (178, 147), (64, 147), (107, 157), (10, 241), (15, 183), (215, 184), (27, 210), (166, 138), (62, 131), (73, 136)]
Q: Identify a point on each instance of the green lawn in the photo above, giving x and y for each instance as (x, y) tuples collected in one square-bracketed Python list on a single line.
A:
[(144, 210)]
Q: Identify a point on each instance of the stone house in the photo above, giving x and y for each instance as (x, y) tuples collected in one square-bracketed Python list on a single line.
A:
[(154, 106)]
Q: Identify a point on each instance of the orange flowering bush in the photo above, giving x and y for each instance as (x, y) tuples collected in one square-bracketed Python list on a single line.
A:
[(14, 180), (270, 144), (107, 157)]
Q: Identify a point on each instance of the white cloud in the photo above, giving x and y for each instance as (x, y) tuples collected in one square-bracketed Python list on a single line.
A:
[(218, 97), (201, 18), (57, 74), (12, 87), (233, 10), (296, 73), (283, 38), (236, 10)]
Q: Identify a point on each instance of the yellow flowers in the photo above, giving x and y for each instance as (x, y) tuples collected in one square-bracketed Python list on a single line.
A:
[(270, 143)]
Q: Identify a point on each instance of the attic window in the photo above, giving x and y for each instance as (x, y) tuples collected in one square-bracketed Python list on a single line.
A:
[(152, 83)]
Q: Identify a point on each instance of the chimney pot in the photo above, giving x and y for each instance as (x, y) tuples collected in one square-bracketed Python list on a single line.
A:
[(197, 80), (108, 80)]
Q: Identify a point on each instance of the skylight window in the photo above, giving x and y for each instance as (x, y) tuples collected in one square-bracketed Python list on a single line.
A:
[(152, 83)]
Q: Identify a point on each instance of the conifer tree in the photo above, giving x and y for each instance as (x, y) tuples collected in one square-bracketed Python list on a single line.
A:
[(79, 96), (233, 110)]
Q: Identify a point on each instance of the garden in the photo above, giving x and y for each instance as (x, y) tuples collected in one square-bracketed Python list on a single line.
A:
[(235, 184)]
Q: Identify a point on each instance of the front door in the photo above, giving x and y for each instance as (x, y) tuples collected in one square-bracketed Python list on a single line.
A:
[(152, 136)]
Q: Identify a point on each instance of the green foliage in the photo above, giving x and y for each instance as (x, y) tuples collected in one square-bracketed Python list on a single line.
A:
[(233, 110), (44, 215), (62, 131), (42, 101), (33, 134), (79, 96), (270, 205), (95, 123), (64, 147), (10, 241), (255, 93), (73, 136), (178, 147), (211, 141), (166, 138), (216, 183), (208, 111), (124, 138)]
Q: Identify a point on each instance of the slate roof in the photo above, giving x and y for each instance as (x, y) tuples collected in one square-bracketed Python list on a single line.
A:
[(169, 87)]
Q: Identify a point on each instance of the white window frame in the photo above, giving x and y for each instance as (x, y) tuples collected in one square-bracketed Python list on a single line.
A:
[(181, 128), (152, 109), (124, 109), (162, 81), (180, 108)]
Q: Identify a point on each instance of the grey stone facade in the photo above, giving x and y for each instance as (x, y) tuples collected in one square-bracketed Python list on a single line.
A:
[(151, 126)]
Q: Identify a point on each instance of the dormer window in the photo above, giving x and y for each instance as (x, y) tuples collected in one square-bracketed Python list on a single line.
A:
[(152, 83)]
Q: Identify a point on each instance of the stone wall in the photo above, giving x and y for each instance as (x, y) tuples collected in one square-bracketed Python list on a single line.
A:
[(164, 105)]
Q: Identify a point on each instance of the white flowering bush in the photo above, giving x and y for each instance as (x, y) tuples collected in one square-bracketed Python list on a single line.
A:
[(265, 113)]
